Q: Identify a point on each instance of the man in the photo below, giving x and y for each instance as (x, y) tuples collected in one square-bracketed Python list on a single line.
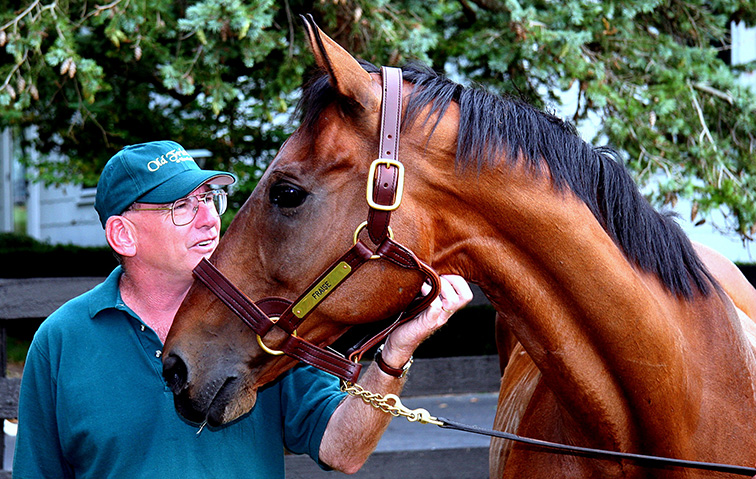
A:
[(93, 402)]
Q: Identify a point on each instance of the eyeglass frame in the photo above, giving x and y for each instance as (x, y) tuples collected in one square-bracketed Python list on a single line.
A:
[(201, 197)]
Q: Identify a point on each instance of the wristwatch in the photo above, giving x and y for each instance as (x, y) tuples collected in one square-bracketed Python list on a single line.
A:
[(397, 373)]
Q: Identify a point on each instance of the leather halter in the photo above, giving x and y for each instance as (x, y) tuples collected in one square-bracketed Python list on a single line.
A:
[(384, 195)]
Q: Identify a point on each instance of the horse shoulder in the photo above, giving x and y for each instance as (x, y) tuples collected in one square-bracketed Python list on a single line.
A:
[(527, 407)]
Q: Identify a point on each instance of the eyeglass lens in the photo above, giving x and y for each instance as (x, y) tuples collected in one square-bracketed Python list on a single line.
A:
[(185, 209)]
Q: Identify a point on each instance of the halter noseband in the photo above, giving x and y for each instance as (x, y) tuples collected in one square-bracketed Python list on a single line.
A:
[(384, 195)]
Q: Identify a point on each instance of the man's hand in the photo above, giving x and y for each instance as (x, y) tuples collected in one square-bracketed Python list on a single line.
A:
[(355, 427), (401, 344)]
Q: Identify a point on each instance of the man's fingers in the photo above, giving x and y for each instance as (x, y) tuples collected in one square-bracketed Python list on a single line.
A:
[(455, 293)]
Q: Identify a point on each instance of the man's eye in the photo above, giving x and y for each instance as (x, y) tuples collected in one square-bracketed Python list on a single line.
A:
[(181, 205), (286, 195)]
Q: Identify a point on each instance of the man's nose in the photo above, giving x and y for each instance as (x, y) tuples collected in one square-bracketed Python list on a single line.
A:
[(206, 213)]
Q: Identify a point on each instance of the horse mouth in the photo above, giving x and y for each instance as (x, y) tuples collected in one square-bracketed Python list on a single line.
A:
[(211, 405)]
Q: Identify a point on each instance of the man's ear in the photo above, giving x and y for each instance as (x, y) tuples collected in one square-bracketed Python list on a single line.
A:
[(121, 235)]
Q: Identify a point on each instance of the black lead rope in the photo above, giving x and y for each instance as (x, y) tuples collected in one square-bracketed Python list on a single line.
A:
[(653, 461)]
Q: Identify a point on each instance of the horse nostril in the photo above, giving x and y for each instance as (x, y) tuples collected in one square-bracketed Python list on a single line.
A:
[(174, 372)]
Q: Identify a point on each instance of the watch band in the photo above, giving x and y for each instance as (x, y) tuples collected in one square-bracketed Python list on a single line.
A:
[(391, 371)]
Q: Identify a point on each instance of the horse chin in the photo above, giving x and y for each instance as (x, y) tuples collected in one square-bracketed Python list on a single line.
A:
[(233, 410), (216, 407)]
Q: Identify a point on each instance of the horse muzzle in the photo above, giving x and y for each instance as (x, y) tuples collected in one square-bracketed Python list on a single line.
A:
[(215, 399)]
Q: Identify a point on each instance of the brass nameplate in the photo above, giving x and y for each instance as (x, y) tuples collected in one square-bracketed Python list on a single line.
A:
[(319, 292)]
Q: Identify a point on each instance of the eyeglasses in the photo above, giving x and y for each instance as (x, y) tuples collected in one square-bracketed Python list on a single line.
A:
[(184, 210)]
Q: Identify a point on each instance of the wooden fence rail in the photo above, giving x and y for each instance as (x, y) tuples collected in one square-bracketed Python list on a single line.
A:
[(28, 301)]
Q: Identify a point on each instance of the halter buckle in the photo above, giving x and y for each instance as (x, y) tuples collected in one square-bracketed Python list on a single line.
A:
[(399, 186)]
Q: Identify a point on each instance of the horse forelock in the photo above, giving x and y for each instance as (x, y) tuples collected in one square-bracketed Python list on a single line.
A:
[(493, 128)]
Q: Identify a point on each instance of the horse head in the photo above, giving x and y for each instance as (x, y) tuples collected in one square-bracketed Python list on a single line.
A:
[(305, 212)]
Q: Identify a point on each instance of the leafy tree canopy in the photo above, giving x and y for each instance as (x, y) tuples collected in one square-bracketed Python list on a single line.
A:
[(82, 79)]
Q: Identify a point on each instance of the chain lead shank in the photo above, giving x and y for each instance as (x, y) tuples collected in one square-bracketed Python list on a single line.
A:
[(390, 404)]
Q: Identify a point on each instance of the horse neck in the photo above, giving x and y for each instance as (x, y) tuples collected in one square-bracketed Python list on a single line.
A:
[(606, 337)]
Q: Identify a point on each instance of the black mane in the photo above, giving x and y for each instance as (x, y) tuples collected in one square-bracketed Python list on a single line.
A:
[(492, 128)]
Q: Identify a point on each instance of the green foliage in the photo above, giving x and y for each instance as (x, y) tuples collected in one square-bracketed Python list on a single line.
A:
[(224, 74), (22, 256)]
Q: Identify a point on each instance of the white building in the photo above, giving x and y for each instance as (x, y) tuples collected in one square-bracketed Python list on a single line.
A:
[(58, 215)]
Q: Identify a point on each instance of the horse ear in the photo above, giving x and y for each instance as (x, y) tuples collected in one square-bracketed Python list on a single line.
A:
[(346, 74)]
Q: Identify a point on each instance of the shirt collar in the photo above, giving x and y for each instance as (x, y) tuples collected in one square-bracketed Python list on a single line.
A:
[(107, 294)]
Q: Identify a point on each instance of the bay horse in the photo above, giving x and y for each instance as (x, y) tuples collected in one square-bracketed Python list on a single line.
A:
[(625, 341)]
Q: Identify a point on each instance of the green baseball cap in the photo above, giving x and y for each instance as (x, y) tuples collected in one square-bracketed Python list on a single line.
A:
[(157, 172)]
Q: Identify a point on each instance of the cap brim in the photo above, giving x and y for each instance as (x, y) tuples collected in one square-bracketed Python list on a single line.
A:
[(184, 183)]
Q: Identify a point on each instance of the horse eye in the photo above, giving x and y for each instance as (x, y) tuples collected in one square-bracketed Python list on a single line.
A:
[(286, 195)]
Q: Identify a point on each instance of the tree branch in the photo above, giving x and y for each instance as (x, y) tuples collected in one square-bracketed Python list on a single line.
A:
[(98, 9), (720, 94), (14, 70), (23, 14), (705, 131)]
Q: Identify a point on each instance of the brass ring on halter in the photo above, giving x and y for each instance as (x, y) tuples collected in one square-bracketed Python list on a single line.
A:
[(359, 230), (272, 352)]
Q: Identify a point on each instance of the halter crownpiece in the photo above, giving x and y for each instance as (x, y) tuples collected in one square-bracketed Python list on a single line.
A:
[(384, 195), (386, 176)]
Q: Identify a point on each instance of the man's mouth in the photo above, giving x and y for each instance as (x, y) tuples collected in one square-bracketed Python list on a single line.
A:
[(205, 243)]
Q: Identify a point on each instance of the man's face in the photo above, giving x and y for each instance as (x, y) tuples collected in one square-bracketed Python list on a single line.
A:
[(174, 250)]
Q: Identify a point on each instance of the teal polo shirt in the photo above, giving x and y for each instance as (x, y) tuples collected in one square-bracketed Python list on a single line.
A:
[(93, 404)]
